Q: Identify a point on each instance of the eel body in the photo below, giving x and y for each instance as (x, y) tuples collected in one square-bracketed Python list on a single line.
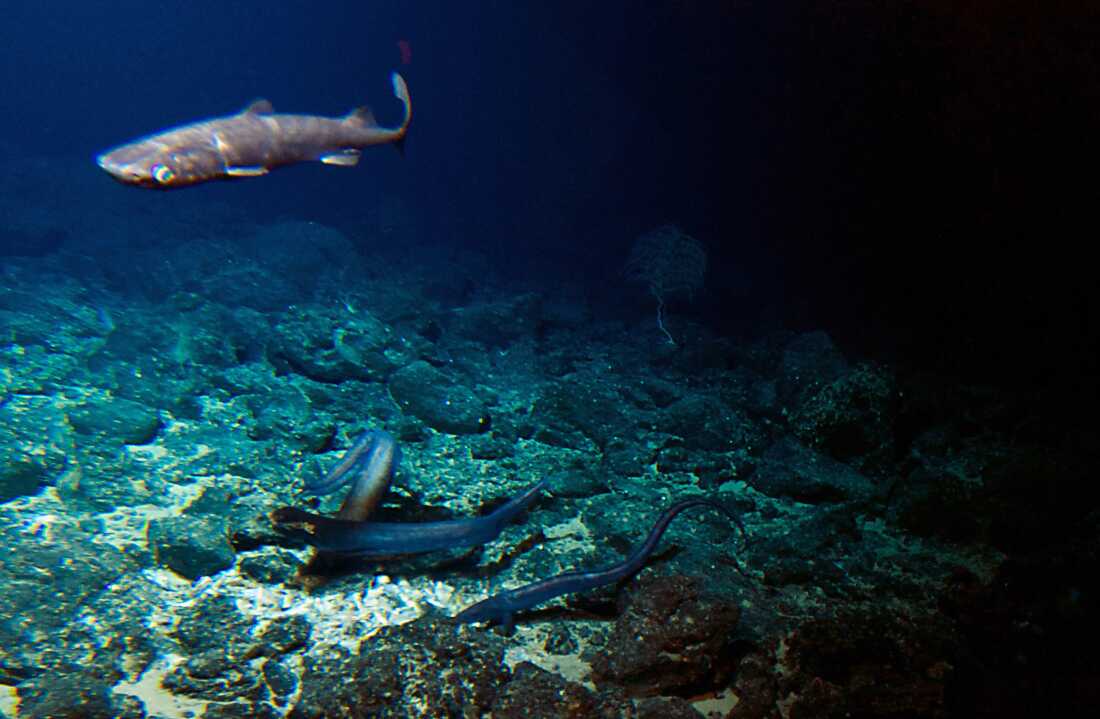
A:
[(380, 540), (369, 466), (502, 607)]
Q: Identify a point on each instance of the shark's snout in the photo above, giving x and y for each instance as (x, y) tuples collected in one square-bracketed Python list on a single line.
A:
[(105, 161), (123, 172)]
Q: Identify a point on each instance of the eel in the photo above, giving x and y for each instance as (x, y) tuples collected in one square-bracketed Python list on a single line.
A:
[(501, 608), (381, 540), (369, 466)]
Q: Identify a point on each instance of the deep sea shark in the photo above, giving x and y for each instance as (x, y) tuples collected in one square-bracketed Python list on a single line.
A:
[(250, 144)]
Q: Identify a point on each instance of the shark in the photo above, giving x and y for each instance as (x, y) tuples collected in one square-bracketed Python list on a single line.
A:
[(250, 144)]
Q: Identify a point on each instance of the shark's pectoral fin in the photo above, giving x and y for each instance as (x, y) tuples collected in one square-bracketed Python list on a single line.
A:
[(344, 158), (246, 171)]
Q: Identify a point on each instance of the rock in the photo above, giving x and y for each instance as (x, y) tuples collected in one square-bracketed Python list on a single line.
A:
[(671, 639), (704, 423), (789, 469), (438, 401), (536, 692), (852, 419), (121, 419), (870, 663), (809, 361), (191, 546), (497, 325), (397, 672), (583, 414), (329, 348)]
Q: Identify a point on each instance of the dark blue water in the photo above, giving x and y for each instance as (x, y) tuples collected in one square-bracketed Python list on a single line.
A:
[(851, 165), (559, 124)]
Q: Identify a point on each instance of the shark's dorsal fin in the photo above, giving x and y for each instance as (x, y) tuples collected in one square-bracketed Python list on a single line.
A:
[(361, 117), (259, 107)]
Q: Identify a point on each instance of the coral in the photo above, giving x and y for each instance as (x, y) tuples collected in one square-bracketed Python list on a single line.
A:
[(669, 261)]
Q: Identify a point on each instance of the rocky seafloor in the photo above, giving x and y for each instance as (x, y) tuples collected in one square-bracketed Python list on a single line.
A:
[(916, 546)]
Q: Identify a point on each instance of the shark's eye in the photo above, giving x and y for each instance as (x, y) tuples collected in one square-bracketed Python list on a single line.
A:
[(162, 173)]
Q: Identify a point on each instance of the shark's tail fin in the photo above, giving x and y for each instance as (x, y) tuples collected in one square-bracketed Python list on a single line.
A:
[(401, 92)]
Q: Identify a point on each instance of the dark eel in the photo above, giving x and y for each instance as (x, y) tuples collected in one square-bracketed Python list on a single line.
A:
[(369, 465), (503, 606), (379, 540)]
